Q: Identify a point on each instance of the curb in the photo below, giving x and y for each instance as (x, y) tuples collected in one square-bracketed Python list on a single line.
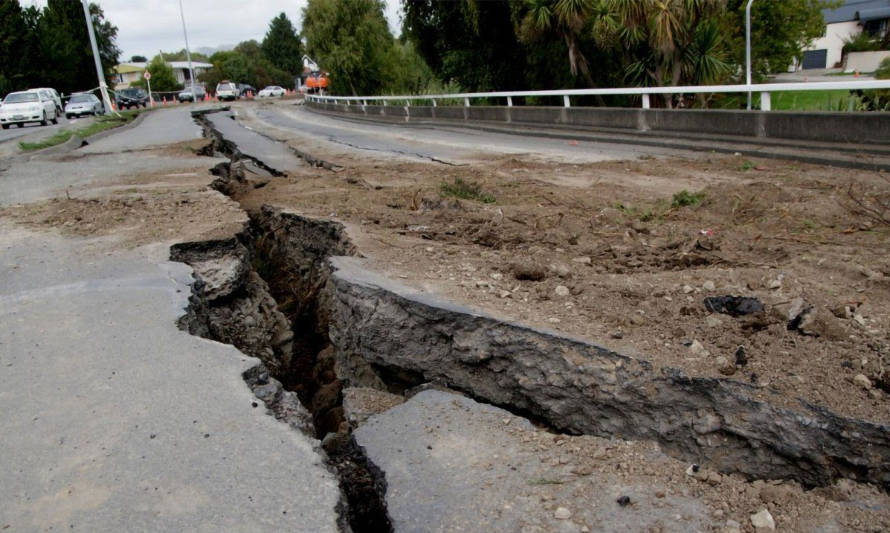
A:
[(76, 141)]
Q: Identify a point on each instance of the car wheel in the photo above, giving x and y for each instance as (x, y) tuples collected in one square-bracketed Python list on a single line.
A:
[(55, 119), (68, 117), (43, 122), (5, 126)]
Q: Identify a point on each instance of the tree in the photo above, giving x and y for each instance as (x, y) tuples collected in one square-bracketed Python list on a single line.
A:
[(65, 51), (13, 38), (181, 55), (779, 31), (470, 42), (282, 46), (564, 18), (138, 59), (162, 77), (351, 40)]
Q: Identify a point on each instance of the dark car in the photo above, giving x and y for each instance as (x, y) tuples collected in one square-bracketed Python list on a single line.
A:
[(244, 88), (133, 97)]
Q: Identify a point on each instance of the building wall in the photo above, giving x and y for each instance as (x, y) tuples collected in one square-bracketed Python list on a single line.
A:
[(833, 40), (865, 61)]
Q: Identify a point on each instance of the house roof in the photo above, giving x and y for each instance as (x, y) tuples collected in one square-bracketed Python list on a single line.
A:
[(124, 68), (853, 10)]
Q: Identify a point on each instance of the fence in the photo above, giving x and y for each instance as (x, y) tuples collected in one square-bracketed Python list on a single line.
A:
[(764, 89)]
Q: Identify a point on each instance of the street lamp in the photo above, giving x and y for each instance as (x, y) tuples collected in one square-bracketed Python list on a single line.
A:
[(188, 54), (748, 49), (103, 87)]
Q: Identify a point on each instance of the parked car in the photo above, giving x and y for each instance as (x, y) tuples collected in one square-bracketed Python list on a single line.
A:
[(244, 88), (132, 97), (271, 92), (22, 107), (192, 94), (52, 93), (83, 104), (226, 90)]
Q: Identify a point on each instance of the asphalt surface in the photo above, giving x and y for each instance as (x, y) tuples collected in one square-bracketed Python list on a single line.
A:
[(32, 129), (273, 154), (443, 143), (112, 418)]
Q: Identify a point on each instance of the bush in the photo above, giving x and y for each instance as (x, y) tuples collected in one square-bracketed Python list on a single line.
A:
[(685, 198), (467, 190), (883, 72)]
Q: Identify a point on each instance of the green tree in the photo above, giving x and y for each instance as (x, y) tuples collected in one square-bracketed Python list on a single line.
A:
[(780, 31), (351, 40), (138, 59), (181, 55), (14, 34), (567, 19), (162, 77), (470, 42), (282, 46), (66, 57)]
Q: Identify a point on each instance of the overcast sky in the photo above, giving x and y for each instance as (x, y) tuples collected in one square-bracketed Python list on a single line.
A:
[(146, 27)]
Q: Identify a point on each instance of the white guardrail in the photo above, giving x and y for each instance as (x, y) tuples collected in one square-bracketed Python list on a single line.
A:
[(763, 88)]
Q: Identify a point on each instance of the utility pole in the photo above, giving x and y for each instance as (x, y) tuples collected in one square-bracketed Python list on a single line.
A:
[(103, 87), (747, 49), (188, 53)]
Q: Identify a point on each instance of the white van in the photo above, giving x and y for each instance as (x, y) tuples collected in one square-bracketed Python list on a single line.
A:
[(52, 93), (226, 90)]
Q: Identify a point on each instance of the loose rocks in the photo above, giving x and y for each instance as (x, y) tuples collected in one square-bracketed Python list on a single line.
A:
[(733, 305), (763, 521)]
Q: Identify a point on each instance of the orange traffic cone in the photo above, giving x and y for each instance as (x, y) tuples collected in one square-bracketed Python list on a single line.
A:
[(165, 101)]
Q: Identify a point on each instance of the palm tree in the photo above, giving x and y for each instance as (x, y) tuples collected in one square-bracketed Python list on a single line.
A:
[(665, 41), (567, 19)]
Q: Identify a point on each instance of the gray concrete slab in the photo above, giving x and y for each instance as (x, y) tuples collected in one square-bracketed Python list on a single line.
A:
[(159, 127), (453, 464), (24, 181), (272, 153), (115, 420)]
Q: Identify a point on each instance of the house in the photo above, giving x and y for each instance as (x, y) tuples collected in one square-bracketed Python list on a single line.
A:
[(842, 23), (127, 73)]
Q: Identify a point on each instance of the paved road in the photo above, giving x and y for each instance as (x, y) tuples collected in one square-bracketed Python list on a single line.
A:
[(112, 418), (37, 131), (443, 143)]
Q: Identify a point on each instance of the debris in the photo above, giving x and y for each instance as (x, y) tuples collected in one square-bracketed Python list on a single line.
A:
[(816, 323), (725, 366), (618, 334), (862, 381), (562, 291), (697, 348), (708, 286), (733, 305), (582, 260), (528, 272), (562, 513), (763, 520), (712, 321), (623, 501), (741, 356), (687, 289), (775, 284), (692, 470)]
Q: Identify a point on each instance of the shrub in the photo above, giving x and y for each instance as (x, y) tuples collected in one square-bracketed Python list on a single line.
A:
[(466, 190)]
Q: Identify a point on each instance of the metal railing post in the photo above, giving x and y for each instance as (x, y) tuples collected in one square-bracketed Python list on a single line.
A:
[(466, 102), (509, 101), (765, 102), (565, 101), (434, 101), (646, 103)]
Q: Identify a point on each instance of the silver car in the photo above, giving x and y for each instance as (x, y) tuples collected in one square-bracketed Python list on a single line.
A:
[(83, 104)]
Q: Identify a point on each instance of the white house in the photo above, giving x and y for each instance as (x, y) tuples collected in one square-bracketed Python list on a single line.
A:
[(848, 20), (127, 73)]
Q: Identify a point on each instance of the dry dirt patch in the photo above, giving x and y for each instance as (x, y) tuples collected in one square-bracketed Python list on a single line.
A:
[(627, 251)]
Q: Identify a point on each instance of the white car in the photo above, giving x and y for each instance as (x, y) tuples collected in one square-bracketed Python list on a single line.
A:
[(52, 93), (226, 90), (27, 106), (271, 91)]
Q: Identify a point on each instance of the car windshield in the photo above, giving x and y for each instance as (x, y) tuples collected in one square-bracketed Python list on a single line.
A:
[(226, 87), (80, 99), (130, 92), (18, 98)]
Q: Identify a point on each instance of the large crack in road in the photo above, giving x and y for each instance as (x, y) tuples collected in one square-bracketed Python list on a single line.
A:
[(290, 291)]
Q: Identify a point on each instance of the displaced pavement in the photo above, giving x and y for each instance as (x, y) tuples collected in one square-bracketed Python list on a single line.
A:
[(113, 418)]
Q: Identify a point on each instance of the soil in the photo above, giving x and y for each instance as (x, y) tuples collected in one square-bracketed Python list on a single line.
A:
[(617, 259)]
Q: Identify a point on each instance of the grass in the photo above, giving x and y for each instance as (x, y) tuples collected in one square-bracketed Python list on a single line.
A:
[(466, 190), (100, 124), (746, 166), (829, 100), (685, 198)]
